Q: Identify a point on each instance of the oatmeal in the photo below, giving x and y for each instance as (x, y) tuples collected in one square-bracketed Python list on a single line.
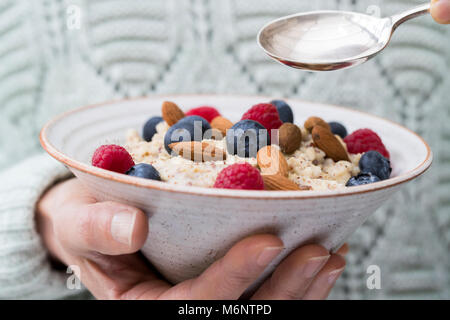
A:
[(308, 166), (262, 151)]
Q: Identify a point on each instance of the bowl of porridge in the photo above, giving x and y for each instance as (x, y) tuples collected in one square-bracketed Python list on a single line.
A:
[(299, 177)]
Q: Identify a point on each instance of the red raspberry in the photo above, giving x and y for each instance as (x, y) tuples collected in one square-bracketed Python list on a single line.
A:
[(208, 113), (266, 114), (240, 176), (112, 158), (364, 140)]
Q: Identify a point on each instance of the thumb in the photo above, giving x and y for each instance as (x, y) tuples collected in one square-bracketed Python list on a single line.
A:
[(108, 228), (440, 10)]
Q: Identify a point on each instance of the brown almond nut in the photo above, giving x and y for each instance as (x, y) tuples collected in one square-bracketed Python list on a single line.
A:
[(316, 121), (171, 113), (342, 142), (198, 151), (280, 183), (222, 124), (290, 138), (271, 161), (328, 143)]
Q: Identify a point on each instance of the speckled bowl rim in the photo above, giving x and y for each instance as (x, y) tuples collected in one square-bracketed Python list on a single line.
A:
[(224, 193)]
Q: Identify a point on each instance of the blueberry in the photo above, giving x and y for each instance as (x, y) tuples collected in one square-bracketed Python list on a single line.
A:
[(187, 129), (246, 137), (150, 128), (339, 129), (145, 171), (373, 162), (362, 179), (284, 110), (193, 119)]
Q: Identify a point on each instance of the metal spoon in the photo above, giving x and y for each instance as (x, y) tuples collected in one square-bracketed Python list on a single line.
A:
[(330, 40)]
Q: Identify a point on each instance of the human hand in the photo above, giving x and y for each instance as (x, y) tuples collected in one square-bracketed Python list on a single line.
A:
[(440, 10), (102, 240)]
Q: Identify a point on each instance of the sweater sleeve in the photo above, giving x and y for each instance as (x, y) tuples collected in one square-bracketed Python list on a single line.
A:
[(25, 270)]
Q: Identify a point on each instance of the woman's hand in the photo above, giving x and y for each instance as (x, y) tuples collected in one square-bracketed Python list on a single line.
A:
[(102, 240), (440, 10)]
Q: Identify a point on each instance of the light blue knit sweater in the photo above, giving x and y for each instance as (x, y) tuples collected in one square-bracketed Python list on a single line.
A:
[(139, 47)]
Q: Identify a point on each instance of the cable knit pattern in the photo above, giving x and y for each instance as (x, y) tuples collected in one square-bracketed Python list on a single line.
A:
[(129, 48), (24, 269)]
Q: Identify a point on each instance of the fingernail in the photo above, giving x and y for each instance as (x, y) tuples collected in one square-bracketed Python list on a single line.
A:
[(268, 255), (334, 275), (122, 226), (314, 265)]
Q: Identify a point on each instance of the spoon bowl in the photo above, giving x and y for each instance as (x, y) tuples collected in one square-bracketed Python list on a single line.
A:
[(330, 40)]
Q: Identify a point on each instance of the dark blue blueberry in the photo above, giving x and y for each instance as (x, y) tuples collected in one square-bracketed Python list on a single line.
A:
[(145, 171), (187, 129), (339, 129), (362, 179), (373, 162), (246, 137), (193, 119), (150, 128), (284, 110)]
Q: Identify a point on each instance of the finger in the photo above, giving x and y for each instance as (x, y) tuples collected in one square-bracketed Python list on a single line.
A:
[(229, 277), (124, 277), (343, 251), (76, 222), (293, 276), (440, 10), (109, 228), (324, 281)]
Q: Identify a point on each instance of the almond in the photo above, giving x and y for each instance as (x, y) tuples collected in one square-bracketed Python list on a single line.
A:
[(171, 113), (326, 141), (222, 124), (271, 161), (280, 183), (198, 151), (342, 142), (316, 121), (290, 138)]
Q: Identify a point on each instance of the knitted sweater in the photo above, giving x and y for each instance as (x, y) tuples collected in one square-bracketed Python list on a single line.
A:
[(127, 48)]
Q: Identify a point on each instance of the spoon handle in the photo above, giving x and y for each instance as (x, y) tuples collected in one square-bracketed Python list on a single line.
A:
[(398, 19)]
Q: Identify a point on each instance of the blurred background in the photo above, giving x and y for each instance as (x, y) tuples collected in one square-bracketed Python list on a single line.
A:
[(56, 55)]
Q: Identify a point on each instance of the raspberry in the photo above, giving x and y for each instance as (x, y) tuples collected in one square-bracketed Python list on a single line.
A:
[(208, 113), (266, 114), (113, 158), (364, 140), (240, 176)]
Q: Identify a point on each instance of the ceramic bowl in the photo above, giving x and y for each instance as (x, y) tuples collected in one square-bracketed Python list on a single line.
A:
[(192, 227)]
